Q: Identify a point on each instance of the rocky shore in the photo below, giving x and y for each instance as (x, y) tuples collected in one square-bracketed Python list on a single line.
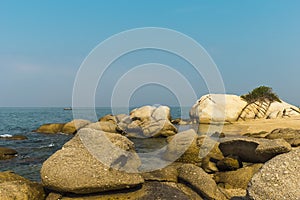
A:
[(101, 162)]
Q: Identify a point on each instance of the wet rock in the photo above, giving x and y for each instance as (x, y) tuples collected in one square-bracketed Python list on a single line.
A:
[(278, 178), (7, 153), (13, 186), (50, 128), (254, 150), (200, 181), (91, 162), (13, 137), (236, 179), (183, 147)]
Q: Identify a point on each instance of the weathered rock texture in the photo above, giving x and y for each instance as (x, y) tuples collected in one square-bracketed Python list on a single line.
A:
[(221, 108), (13, 186), (74, 169), (254, 150), (148, 121), (278, 179)]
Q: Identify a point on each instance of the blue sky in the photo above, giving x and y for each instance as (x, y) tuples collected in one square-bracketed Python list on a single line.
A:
[(43, 43)]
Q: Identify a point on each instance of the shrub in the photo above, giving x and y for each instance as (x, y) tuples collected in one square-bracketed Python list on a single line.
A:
[(261, 94)]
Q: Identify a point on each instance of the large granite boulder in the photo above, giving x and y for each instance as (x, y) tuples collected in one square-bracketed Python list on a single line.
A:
[(220, 108), (106, 126), (73, 126), (254, 150), (290, 135), (200, 181), (13, 186), (148, 121), (278, 178), (93, 161), (7, 153)]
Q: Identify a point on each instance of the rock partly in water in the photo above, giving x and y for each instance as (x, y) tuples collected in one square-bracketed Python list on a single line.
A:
[(183, 147), (219, 108), (7, 153), (200, 181), (13, 186), (277, 179), (89, 163), (236, 179), (13, 137), (290, 135), (50, 128), (148, 121), (73, 126), (253, 150)]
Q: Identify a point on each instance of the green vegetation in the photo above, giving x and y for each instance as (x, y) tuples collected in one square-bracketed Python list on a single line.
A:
[(261, 94)]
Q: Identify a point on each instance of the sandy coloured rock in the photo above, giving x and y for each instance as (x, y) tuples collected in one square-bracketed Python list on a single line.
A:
[(200, 181), (220, 108), (254, 150), (91, 162), (277, 179), (13, 186), (73, 126)]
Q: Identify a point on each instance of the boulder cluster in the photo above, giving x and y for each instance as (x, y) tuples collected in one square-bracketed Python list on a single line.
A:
[(144, 122), (101, 162), (209, 167)]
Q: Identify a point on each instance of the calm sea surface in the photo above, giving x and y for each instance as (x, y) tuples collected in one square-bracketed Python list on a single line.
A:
[(34, 151)]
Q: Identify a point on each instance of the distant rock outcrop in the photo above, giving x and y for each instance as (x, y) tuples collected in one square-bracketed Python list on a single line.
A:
[(220, 108)]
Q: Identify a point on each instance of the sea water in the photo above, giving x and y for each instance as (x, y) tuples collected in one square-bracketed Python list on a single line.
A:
[(38, 147)]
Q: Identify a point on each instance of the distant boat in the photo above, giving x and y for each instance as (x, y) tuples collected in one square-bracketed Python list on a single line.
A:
[(68, 108)]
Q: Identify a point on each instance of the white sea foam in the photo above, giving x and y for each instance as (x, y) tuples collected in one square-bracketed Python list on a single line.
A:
[(5, 135)]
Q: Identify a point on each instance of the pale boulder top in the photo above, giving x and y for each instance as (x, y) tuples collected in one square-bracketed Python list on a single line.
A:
[(228, 107)]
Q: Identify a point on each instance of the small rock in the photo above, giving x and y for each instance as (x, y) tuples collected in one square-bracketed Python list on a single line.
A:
[(7, 153), (229, 163)]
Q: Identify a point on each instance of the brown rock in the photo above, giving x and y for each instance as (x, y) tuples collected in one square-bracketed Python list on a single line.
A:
[(236, 179), (106, 126), (14, 137), (73, 126), (254, 150), (229, 163), (7, 153), (183, 147), (290, 135), (50, 128), (13, 186), (200, 181)]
